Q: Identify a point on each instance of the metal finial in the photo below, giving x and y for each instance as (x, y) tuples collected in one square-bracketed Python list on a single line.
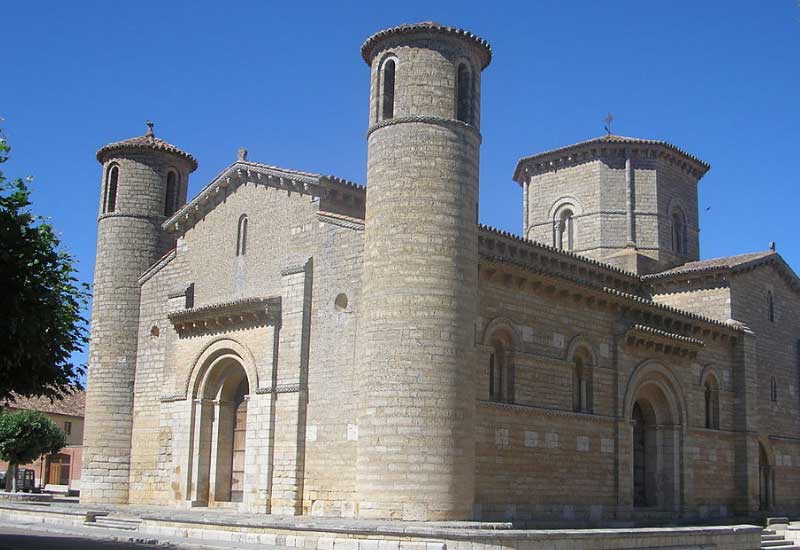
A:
[(772, 246), (149, 133), (242, 155), (608, 120)]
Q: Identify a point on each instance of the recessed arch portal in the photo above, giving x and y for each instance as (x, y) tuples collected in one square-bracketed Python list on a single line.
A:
[(221, 395), (655, 407)]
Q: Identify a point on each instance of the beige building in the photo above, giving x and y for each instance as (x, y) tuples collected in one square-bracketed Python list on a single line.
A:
[(60, 472), (289, 343)]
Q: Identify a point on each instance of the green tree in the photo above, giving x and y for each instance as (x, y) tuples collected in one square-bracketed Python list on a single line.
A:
[(41, 325), (24, 437)]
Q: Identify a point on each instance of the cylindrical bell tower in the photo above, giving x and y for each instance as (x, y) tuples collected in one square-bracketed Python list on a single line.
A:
[(416, 446), (144, 181)]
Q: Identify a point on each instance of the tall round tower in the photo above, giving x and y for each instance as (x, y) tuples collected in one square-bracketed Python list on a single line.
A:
[(416, 447), (144, 181)]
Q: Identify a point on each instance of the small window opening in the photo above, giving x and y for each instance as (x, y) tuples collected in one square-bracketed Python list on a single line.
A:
[(582, 388), (501, 373), (241, 236), (112, 179), (387, 105), (340, 303), (773, 390), (154, 332), (171, 195), (770, 307), (464, 94), (678, 233), (565, 230), (68, 428), (711, 398)]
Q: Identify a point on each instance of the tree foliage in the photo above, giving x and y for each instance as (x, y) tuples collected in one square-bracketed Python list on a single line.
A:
[(24, 437), (27, 435), (41, 301)]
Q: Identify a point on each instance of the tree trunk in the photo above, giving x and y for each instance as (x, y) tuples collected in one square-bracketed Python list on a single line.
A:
[(11, 476)]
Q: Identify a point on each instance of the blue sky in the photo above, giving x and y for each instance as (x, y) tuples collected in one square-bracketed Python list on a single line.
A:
[(718, 78)]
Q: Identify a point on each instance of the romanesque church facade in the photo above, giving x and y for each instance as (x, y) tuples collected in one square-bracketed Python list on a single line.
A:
[(292, 343)]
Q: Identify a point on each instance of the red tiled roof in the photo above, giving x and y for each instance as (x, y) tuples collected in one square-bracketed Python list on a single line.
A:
[(73, 404), (144, 142)]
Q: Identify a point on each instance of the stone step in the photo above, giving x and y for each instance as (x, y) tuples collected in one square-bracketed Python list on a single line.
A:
[(782, 544), (108, 522), (772, 537)]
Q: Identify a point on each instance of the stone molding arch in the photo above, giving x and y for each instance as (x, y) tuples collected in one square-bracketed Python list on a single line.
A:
[(500, 324), (765, 444), (710, 371), (581, 341), (212, 353), (655, 373), (562, 201)]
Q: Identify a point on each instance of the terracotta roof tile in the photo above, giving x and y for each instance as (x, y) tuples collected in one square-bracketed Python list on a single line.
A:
[(72, 405), (144, 142)]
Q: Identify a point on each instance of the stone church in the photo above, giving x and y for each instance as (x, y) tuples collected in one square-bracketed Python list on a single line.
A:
[(292, 343)]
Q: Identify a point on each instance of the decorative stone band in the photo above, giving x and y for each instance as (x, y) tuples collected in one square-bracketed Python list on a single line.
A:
[(243, 172), (637, 309), (154, 219), (531, 410), (281, 388), (661, 341), (426, 119), (224, 316)]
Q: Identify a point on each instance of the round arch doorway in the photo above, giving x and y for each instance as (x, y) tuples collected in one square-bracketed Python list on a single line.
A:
[(656, 444), (220, 447)]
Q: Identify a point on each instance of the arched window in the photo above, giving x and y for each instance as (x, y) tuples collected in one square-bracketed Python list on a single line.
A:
[(582, 382), (711, 399), (501, 371), (678, 232), (387, 89), (241, 236), (464, 94), (112, 180), (171, 195), (770, 307), (773, 390), (564, 230)]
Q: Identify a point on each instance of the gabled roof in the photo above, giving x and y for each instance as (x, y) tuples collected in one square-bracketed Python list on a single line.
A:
[(732, 264), (243, 171), (741, 261), (73, 404), (147, 141), (425, 26), (548, 157)]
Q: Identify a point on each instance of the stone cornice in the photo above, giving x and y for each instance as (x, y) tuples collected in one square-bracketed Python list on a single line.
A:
[(242, 172), (426, 119), (225, 316), (368, 48), (663, 341), (608, 147)]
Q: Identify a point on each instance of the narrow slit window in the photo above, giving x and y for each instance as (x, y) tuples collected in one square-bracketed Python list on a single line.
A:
[(111, 189), (171, 195), (387, 106), (770, 307), (464, 97), (241, 236)]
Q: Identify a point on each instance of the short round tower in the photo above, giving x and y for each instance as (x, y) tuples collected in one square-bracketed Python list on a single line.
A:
[(416, 448), (144, 181)]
